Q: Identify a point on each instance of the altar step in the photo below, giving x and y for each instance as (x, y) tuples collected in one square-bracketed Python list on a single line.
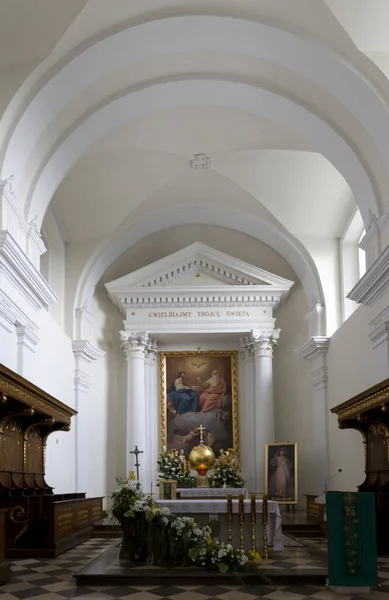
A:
[(102, 530), (299, 525), (283, 568)]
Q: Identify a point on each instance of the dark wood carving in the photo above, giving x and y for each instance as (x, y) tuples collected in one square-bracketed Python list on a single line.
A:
[(28, 415), (368, 413)]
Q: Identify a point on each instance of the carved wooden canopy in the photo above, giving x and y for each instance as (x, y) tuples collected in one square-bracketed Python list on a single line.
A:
[(374, 400), (18, 395), (368, 413)]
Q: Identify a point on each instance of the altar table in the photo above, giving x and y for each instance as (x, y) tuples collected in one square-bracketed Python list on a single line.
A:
[(204, 511), (211, 493)]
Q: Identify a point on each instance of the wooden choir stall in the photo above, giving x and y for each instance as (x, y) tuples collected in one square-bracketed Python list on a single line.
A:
[(38, 522), (368, 413)]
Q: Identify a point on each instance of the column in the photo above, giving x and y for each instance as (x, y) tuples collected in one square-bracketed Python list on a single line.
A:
[(246, 412), (152, 417), (262, 346), (136, 346), (316, 352)]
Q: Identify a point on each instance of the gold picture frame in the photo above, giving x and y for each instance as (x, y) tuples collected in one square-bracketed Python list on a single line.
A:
[(283, 489), (222, 418), (167, 489)]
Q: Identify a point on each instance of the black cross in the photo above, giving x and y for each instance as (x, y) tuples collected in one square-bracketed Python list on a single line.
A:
[(137, 465)]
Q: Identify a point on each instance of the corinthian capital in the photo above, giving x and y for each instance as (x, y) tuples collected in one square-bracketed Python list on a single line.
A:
[(135, 344), (262, 343)]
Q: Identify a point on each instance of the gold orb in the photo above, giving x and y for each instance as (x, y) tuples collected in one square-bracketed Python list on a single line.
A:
[(202, 458)]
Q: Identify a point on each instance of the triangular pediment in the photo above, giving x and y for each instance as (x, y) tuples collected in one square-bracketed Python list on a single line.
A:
[(200, 266)]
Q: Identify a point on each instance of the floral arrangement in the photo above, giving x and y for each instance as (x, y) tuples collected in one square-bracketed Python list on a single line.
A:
[(169, 467), (224, 475), (152, 533)]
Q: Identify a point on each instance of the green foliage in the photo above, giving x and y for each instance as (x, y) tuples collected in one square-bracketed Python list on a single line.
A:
[(169, 467), (225, 476)]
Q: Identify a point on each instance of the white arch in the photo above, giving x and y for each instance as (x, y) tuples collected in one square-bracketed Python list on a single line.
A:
[(277, 238), (165, 96), (308, 58)]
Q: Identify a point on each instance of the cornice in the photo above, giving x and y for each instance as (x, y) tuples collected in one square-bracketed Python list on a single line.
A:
[(374, 283), (22, 275), (315, 348), (86, 351)]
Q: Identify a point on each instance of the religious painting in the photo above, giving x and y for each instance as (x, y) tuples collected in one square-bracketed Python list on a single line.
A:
[(199, 388), (281, 472), (167, 489)]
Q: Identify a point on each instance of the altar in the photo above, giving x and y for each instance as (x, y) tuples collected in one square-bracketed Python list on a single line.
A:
[(211, 493), (206, 510)]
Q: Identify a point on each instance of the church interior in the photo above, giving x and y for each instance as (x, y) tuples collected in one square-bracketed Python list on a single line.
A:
[(194, 299)]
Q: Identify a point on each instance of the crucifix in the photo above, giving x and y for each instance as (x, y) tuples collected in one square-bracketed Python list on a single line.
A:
[(137, 464), (201, 429)]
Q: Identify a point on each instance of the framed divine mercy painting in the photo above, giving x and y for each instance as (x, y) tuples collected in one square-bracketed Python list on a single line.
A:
[(281, 472), (199, 388)]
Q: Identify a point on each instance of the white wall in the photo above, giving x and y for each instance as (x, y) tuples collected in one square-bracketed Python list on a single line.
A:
[(54, 263), (293, 394), (325, 253), (353, 366)]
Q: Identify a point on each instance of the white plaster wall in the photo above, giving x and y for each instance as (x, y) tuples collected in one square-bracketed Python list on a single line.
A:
[(8, 354), (102, 410), (55, 263), (293, 393), (353, 366), (325, 253)]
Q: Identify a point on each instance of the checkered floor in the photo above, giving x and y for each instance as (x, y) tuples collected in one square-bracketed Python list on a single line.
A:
[(52, 579)]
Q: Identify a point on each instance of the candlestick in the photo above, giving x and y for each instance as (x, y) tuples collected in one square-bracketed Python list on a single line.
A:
[(265, 524), (241, 520), (253, 523), (229, 516)]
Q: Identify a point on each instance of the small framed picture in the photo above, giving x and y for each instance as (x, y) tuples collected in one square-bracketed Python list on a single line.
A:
[(167, 489), (281, 472)]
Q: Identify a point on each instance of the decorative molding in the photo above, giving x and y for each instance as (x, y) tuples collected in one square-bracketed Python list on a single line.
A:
[(379, 328), (26, 337), (375, 282), (12, 220), (259, 343), (317, 347), (194, 258), (200, 161), (135, 344), (85, 323), (84, 353), (22, 275), (12, 315)]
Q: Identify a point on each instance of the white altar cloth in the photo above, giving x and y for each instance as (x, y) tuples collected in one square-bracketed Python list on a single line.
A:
[(200, 508), (211, 492)]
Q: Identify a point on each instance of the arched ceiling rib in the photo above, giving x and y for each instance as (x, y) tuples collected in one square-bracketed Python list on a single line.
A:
[(176, 35), (263, 229), (201, 93)]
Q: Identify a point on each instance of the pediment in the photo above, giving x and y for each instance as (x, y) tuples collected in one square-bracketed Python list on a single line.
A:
[(200, 266)]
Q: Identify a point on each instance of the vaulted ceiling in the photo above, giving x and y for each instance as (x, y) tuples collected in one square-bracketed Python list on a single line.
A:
[(117, 98)]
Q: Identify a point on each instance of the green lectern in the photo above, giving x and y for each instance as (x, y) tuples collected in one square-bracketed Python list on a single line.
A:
[(351, 536)]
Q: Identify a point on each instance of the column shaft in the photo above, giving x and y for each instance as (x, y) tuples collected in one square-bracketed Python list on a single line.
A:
[(262, 345)]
